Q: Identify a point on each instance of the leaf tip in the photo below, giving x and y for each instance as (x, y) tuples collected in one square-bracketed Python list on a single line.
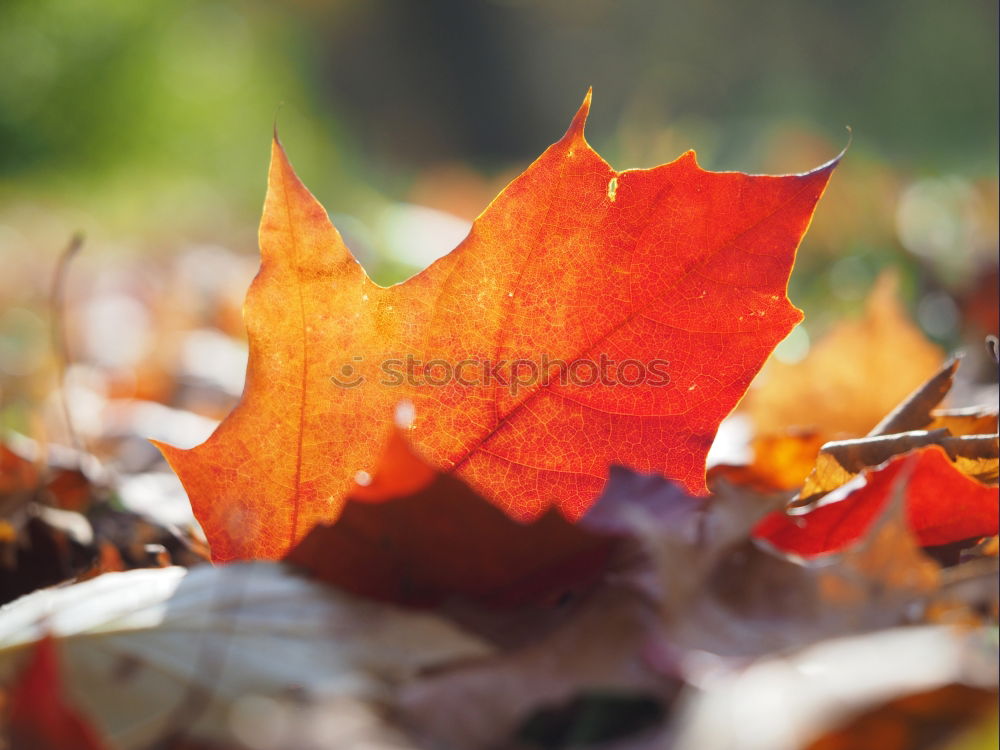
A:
[(274, 126), (831, 165), (278, 155), (576, 127), (850, 140), (170, 453)]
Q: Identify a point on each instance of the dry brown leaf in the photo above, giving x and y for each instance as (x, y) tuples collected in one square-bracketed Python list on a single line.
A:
[(976, 456), (780, 463), (599, 649), (969, 593), (853, 377), (419, 537), (973, 420), (888, 559), (719, 592)]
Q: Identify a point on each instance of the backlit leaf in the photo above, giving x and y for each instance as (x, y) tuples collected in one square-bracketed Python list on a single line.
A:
[(672, 280)]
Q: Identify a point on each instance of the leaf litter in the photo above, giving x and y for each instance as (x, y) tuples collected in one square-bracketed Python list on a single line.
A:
[(819, 594)]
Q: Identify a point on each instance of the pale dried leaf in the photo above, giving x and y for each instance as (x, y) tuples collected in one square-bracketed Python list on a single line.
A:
[(721, 593), (974, 455), (783, 703), (852, 377), (599, 649), (147, 652)]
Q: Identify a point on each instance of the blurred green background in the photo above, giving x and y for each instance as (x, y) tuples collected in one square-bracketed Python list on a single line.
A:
[(147, 125)]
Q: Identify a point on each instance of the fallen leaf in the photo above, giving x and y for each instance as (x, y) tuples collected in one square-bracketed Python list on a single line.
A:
[(599, 649), (989, 547), (781, 462), (43, 547), (17, 474), (719, 593), (972, 420), (968, 436), (711, 601), (839, 461), (153, 652), (791, 698), (70, 489), (418, 537), (886, 567), (969, 595), (919, 721), (40, 717), (943, 506), (672, 279), (109, 560), (852, 377)]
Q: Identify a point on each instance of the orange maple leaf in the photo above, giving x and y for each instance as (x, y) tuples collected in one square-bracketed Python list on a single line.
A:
[(591, 316)]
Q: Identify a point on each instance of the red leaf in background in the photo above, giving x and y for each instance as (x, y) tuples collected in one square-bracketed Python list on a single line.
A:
[(418, 537), (40, 717), (17, 474), (942, 504)]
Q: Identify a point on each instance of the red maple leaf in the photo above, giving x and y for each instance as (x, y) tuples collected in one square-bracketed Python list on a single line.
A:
[(591, 316), (942, 506)]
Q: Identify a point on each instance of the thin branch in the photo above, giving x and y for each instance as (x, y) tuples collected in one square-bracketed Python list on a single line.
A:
[(60, 342)]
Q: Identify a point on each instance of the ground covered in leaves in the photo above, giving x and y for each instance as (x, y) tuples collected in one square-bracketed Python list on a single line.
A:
[(522, 560)]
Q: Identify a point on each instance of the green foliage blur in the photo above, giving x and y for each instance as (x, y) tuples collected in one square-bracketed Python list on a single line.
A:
[(127, 97), (152, 115), (147, 124)]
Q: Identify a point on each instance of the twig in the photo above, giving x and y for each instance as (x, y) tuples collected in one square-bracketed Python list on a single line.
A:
[(60, 342), (914, 413)]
